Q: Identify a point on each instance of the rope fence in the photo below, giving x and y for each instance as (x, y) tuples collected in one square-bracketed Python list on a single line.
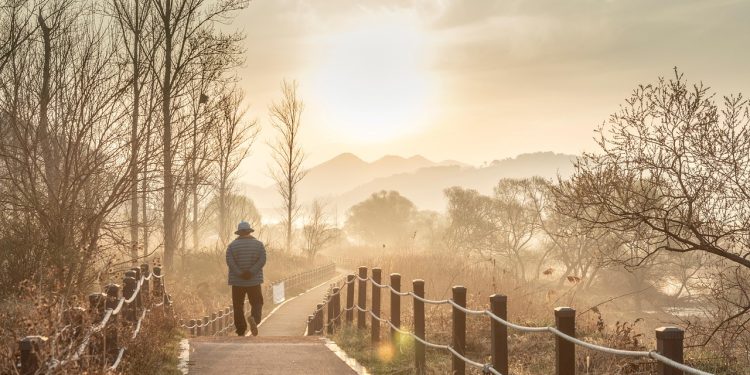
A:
[(100, 346), (220, 322), (668, 354)]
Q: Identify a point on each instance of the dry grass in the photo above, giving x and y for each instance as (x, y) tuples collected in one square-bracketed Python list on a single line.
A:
[(529, 304), (157, 347), (37, 312)]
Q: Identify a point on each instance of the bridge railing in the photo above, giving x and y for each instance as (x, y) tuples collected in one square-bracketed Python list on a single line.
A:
[(99, 344), (220, 322), (327, 318)]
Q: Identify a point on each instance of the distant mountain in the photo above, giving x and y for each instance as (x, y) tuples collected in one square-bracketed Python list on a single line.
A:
[(346, 179), (425, 186), (347, 171)]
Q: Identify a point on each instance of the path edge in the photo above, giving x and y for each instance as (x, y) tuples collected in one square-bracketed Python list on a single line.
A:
[(184, 358), (351, 362)]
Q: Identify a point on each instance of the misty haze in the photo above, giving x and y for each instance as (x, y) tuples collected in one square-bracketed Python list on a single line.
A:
[(374, 187)]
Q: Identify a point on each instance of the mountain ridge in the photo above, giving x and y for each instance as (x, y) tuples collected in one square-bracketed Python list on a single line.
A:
[(347, 179)]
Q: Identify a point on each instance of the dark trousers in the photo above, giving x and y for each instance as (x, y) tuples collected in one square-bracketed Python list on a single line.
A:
[(255, 295)]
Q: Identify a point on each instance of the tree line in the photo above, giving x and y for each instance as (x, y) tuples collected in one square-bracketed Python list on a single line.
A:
[(120, 120)]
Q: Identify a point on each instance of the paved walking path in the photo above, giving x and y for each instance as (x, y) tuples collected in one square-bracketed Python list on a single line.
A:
[(291, 318), (280, 347), (264, 355)]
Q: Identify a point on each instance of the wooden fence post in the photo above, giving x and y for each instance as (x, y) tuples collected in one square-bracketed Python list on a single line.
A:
[(229, 318), (192, 327), (499, 307), (110, 331), (29, 347), (128, 289), (310, 325), (158, 286), (375, 323), (146, 287), (329, 314), (224, 320), (419, 349), (206, 326), (319, 319), (362, 298), (138, 300), (113, 297), (336, 307), (214, 324), (459, 330), (198, 327), (395, 308), (349, 299), (565, 351), (669, 342)]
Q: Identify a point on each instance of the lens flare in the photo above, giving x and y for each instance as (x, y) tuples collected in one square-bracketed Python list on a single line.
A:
[(386, 352)]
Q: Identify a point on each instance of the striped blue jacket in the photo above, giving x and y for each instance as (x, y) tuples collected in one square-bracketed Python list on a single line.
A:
[(246, 253)]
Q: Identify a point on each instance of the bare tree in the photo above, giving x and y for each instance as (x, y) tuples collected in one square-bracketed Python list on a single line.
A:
[(674, 166), (286, 118), (318, 230), (503, 225), (232, 138), (131, 16), (216, 112), (188, 34), (65, 140), (16, 27), (237, 207), (472, 224), (518, 204)]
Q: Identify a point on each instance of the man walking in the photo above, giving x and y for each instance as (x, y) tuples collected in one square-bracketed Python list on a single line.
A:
[(246, 257)]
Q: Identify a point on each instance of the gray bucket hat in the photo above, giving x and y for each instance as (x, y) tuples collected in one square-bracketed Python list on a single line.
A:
[(244, 226)]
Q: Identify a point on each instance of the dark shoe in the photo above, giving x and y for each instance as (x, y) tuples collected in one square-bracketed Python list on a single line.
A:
[(253, 326), (240, 333)]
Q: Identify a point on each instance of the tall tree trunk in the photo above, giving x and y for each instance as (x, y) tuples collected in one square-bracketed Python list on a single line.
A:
[(289, 221), (194, 177), (170, 238), (290, 203), (183, 230), (55, 221), (134, 143), (144, 194), (194, 228)]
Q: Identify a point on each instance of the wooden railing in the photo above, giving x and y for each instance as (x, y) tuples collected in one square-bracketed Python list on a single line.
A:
[(98, 345), (220, 322), (326, 319)]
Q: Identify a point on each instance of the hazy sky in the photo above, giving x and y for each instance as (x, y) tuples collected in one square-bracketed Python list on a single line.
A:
[(475, 80)]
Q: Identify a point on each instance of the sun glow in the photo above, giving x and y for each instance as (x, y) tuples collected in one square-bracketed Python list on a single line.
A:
[(373, 80)]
